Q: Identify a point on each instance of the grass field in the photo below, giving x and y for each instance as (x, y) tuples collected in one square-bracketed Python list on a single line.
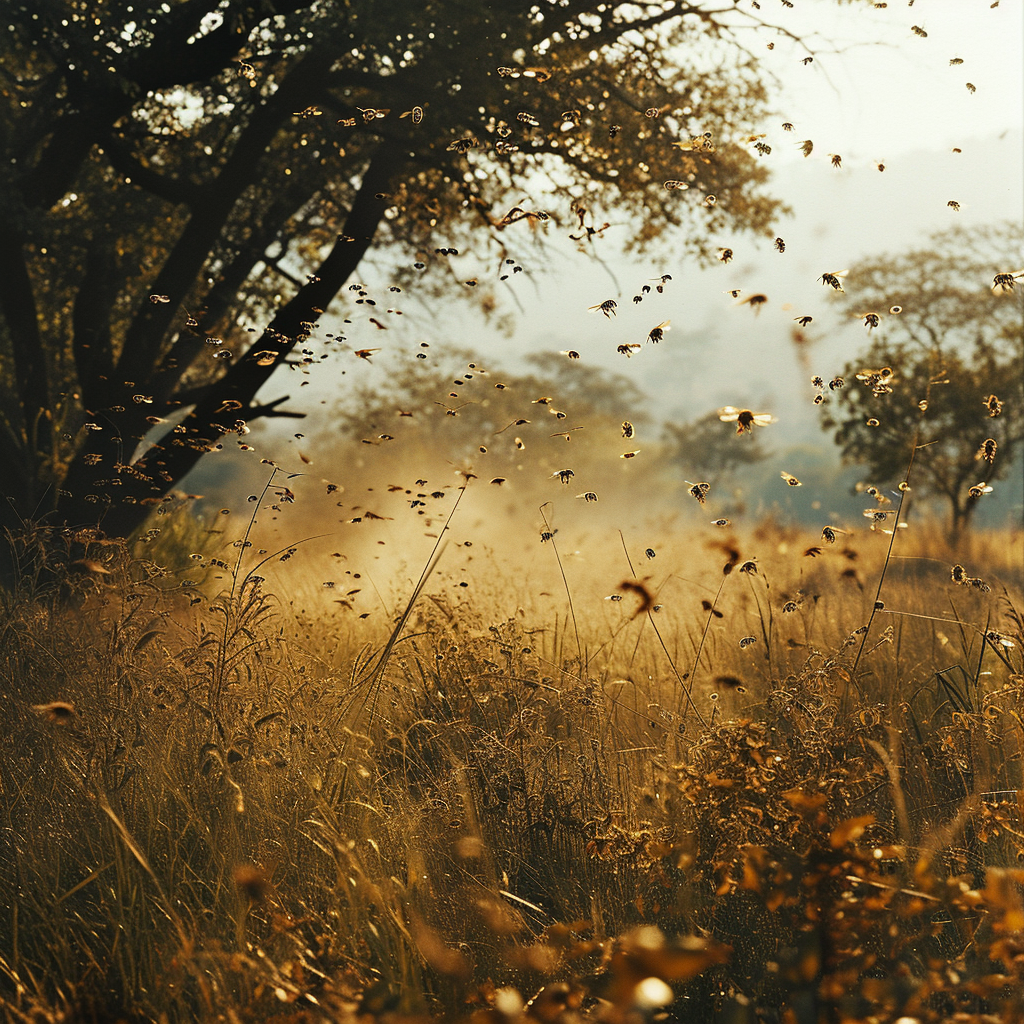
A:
[(650, 788)]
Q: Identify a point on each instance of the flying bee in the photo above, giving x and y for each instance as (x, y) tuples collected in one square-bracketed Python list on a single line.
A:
[(803, 321), (780, 245), (700, 491), (725, 255), (1004, 282), (828, 534), (673, 186), (630, 455), (790, 479), (463, 145), (607, 307), (837, 160), (755, 301), (880, 166), (614, 130), (720, 522), (588, 496), (918, 31), (710, 200), (955, 61), (734, 292), (872, 422), (787, 126), (744, 419), (627, 350), (658, 333), (971, 88), (994, 406), (570, 353), (987, 451), (416, 114), (953, 205), (807, 147), (832, 279), (565, 475), (871, 320), (627, 429), (979, 489)]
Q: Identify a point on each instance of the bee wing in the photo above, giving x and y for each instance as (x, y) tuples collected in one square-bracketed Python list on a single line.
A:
[(728, 414), (762, 419)]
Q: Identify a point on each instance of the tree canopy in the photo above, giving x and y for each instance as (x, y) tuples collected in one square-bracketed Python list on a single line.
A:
[(176, 172), (944, 372)]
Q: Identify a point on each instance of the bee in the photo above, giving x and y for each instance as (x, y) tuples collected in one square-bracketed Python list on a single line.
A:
[(570, 353), (918, 31), (672, 185), (365, 353), (987, 451), (817, 382), (871, 320), (994, 406), (725, 255), (614, 130), (607, 307), (787, 126), (828, 534), (872, 422), (544, 400), (837, 160), (158, 299), (979, 489), (807, 147), (803, 321), (748, 640), (700, 491), (807, 60), (971, 88), (780, 245), (955, 61), (658, 333), (627, 350), (836, 383), (588, 496), (498, 481), (1002, 282), (832, 280), (880, 166), (627, 429), (790, 479), (416, 114), (565, 475), (744, 419), (710, 200), (653, 112), (953, 205), (463, 145), (755, 301), (895, 310), (370, 114), (630, 455), (720, 522)]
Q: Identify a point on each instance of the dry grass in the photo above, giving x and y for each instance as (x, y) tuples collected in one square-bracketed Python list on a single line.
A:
[(244, 810)]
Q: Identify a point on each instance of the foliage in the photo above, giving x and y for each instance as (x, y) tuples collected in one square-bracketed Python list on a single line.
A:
[(708, 447), (289, 826), (174, 173), (950, 344)]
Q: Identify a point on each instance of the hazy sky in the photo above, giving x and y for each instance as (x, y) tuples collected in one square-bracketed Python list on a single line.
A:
[(891, 90)]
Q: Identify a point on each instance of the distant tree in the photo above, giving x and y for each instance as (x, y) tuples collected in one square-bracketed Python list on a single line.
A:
[(707, 447), (173, 171), (954, 344)]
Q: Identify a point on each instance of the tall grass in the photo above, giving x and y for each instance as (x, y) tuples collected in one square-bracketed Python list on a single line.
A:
[(249, 811)]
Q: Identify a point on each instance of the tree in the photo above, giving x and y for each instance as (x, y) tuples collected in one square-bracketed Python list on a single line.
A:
[(707, 447), (175, 171), (944, 374)]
